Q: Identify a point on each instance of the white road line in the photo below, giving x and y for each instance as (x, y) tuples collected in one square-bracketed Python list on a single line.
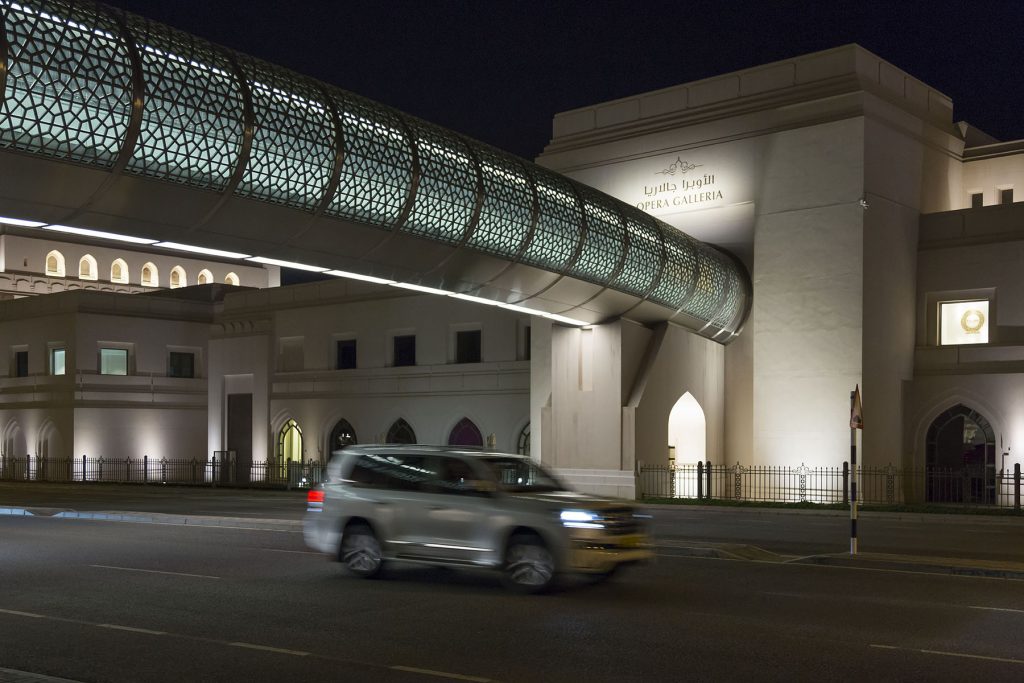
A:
[(133, 629), (22, 614), (441, 674), (296, 552), (267, 648), (153, 571), (942, 653), (998, 609)]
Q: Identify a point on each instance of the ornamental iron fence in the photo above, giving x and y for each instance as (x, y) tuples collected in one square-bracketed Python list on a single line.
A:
[(888, 485), (222, 469)]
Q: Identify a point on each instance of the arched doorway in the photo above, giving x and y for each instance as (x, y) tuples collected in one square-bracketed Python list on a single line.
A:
[(15, 452), (687, 431), (401, 432), (465, 433), (342, 435), (289, 443), (960, 458), (52, 463), (523, 443)]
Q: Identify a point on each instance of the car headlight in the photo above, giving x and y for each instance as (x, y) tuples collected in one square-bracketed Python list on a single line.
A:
[(581, 519)]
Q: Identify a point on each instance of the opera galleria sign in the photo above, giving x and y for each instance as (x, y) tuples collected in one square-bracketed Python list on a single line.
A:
[(681, 186)]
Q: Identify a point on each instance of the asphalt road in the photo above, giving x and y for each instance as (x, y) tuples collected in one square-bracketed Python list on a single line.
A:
[(786, 532), (109, 601)]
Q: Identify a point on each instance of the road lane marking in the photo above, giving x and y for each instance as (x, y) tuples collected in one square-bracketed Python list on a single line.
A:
[(997, 609), (253, 646), (296, 552), (813, 565), (441, 674), (153, 571), (22, 614), (267, 648), (943, 653), (132, 629)]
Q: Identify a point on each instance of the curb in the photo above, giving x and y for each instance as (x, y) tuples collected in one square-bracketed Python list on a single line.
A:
[(157, 518)]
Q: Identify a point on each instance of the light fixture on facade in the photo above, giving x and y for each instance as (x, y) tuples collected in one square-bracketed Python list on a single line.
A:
[(201, 250), (421, 288)]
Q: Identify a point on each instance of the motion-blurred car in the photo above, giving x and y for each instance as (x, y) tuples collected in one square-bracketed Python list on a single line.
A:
[(450, 506)]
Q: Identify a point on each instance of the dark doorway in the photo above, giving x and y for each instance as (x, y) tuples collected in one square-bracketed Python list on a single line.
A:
[(960, 458), (401, 432), (240, 434), (342, 435)]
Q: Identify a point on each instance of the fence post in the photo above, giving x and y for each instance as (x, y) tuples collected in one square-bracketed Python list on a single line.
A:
[(707, 475), (84, 478), (145, 468), (1016, 486), (213, 471), (700, 480), (846, 483)]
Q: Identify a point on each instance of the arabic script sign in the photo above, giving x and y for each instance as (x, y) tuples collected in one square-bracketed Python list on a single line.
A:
[(685, 189)]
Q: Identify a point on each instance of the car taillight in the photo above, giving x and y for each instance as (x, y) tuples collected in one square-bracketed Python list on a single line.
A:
[(315, 496)]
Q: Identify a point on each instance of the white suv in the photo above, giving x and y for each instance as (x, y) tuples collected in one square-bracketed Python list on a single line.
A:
[(461, 507)]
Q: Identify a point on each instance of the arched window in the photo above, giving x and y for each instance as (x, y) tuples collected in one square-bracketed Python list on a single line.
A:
[(401, 432), (342, 435), (205, 277), (231, 279), (150, 276), (178, 277), (523, 445), (465, 433), (289, 443), (55, 264), (87, 268), (119, 272)]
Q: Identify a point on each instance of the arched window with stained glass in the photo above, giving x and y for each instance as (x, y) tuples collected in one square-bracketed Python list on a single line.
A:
[(465, 433)]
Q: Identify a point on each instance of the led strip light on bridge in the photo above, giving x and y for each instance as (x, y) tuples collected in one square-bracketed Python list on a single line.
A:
[(99, 234)]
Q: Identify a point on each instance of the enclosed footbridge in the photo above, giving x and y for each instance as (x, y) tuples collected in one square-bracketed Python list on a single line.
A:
[(116, 127)]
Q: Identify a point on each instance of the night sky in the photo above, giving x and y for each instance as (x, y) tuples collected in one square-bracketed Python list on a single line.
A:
[(498, 71)]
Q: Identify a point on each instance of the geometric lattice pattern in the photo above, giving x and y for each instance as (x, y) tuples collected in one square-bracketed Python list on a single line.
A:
[(69, 84), (192, 121), (69, 93)]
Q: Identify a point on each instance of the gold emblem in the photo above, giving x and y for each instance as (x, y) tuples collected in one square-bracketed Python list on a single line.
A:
[(972, 321)]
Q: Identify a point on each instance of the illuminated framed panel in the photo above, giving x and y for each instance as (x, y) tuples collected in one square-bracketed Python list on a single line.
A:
[(963, 322)]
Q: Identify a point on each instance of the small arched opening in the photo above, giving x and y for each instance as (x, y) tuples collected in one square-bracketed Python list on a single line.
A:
[(150, 276), (119, 272), (687, 431), (55, 264), (87, 269), (205, 277), (231, 279), (341, 435), (178, 277)]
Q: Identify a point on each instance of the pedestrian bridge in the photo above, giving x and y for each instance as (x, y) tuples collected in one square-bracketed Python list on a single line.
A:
[(115, 127)]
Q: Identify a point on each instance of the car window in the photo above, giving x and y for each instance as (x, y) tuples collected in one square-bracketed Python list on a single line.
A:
[(400, 471), (516, 474), (455, 475)]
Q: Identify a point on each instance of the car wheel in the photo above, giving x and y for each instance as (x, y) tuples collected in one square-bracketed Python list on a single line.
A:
[(529, 565), (360, 551)]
